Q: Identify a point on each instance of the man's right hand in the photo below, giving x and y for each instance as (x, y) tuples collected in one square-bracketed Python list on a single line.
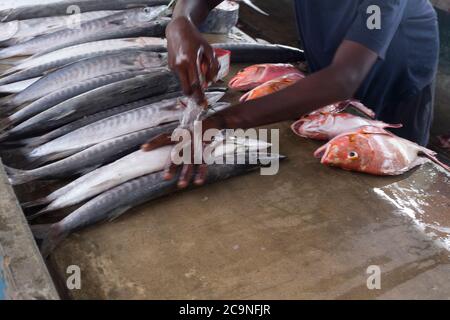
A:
[(187, 50)]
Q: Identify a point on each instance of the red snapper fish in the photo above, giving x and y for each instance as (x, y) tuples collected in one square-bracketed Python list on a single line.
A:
[(256, 75), (373, 150), (272, 86), (329, 122)]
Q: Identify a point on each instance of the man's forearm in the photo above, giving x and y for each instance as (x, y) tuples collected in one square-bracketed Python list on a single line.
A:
[(194, 10), (305, 96)]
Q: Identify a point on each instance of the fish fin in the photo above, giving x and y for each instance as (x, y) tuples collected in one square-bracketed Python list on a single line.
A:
[(361, 108), (62, 115), (116, 213), (4, 136), (35, 203), (31, 142), (5, 124), (5, 102), (39, 161), (17, 176), (393, 126), (433, 157), (255, 7), (49, 236)]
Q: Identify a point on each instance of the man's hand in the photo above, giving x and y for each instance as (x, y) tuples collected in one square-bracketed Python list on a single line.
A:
[(187, 51), (198, 171)]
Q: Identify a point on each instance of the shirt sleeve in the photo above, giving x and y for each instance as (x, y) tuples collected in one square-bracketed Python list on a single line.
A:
[(377, 40)]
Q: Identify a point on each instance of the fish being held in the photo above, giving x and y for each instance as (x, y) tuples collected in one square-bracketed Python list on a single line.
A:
[(256, 75), (328, 122), (105, 97), (272, 86), (134, 165), (115, 202), (130, 23), (375, 151), (120, 124)]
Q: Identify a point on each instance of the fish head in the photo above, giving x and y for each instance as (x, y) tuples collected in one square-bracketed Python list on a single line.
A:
[(350, 151), (310, 126), (148, 14), (151, 60)]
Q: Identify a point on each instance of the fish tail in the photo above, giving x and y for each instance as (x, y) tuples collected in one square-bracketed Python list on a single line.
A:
[(361, 108), (32, 142), (17, 176), (49, 236), (36, 203), (6, 103), (4, 136), (5, 123)]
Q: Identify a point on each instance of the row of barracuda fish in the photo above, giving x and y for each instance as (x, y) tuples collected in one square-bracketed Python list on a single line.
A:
[(79, 101), (355, 143)]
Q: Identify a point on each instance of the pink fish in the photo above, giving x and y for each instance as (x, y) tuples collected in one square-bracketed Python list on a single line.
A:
[(256, 75), (272, 86), (327, 123), (373, 150)]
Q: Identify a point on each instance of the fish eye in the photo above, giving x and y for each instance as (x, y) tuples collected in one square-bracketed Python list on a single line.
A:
[(147, 10), (353, 155)]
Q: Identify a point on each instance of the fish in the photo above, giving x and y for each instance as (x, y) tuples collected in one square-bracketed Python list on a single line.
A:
[(256, 75), (115, 202), (444, 141), (375, 151), (40, 64), (22, 10), (14, 32), (131, 166), (343, 105), (130, 23), (72, 126), (90, 158), (262, 53), (329, 122), (120, 124), (80, 77), (17, 87), (272, 86), (97, 155), (105, 97)]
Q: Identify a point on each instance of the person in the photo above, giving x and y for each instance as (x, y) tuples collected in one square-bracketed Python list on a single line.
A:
[(389, 65)]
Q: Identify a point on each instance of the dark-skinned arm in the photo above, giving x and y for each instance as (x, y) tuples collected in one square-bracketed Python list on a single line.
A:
[(338, 82), (185, 45)]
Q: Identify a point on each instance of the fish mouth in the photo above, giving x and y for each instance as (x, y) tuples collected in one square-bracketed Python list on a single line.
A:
[(297, 126), (322, 152)]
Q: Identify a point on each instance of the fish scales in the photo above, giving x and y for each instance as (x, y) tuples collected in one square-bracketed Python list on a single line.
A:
[(37, 65), (106, 97), (130, 23)]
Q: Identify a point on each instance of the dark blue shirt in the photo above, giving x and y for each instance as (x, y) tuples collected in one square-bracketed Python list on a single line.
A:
[(407, 43)]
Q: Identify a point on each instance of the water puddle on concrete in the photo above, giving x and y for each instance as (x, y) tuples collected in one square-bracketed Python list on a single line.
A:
[(424, 197)]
